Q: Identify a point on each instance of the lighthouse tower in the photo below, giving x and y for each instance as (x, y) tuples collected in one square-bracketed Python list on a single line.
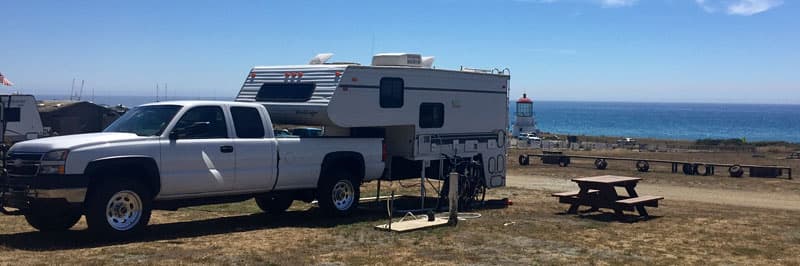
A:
[(524, 121)]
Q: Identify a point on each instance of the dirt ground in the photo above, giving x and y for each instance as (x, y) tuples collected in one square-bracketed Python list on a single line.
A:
[(703, 220)]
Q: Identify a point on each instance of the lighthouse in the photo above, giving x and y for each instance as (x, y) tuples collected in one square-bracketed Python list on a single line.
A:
[(524, 121)]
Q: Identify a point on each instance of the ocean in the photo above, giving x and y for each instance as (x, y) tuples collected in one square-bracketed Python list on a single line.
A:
[(685, 121)]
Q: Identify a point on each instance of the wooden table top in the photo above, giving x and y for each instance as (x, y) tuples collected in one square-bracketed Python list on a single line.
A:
[(606, 179)]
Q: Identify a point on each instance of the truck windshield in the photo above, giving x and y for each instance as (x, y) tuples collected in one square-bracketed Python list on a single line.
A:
[(144, 120)]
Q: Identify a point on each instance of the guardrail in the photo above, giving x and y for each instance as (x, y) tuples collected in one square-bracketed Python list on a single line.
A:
[(643, 165)]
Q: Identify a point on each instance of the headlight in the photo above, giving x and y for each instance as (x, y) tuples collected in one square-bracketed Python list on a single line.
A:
[(51, 170), (57, 155)]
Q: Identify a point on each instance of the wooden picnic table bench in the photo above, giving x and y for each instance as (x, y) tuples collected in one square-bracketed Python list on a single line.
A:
[(599, 192)]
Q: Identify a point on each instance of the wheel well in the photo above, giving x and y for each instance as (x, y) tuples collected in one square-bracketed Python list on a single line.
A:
[(143, 169), (351, 162)]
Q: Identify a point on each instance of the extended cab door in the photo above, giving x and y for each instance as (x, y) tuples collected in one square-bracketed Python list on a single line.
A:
[(199, 156), (256, 150)]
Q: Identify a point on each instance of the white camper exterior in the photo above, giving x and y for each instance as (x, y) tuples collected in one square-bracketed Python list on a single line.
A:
[(421, 112), (23, 121)]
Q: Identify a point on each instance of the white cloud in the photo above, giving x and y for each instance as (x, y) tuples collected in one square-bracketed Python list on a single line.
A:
[(752, 7), (738, 7)]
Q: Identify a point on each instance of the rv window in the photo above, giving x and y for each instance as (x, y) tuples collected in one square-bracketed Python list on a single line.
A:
[(391, 93), (285, 92), (12, 114), (431, 115), (247, 122)]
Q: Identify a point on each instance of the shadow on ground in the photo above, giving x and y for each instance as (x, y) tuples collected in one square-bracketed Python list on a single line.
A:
[(78, 239), (601, 216), (311, 218)]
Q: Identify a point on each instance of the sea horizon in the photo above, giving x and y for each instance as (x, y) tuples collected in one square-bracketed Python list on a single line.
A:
[(658, 120)]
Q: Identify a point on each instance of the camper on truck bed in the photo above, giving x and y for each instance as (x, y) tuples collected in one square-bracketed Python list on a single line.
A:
[(420, 111)]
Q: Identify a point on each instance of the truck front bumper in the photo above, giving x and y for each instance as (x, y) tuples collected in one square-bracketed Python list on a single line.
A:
[(21, 192)]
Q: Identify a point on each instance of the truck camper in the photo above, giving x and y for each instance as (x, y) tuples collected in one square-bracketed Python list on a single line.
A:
[(422, 112)]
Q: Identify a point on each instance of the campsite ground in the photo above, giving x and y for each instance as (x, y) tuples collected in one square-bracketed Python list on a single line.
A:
[(703, 220)]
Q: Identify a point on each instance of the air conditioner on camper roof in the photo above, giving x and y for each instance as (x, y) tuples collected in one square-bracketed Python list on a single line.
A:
[(402, 59)]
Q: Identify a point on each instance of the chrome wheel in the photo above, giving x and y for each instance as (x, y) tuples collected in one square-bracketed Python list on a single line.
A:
[(343, 195), (124, 210)]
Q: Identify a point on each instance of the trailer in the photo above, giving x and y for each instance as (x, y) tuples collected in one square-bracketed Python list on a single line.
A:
[(20, 118), (421, 112)]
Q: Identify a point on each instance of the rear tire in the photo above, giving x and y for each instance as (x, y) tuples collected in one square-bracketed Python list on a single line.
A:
[(118, 208), (338, 195), (274, 203), (52, 219)]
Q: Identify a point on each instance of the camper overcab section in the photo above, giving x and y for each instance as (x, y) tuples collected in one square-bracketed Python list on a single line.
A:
[(421, 112)]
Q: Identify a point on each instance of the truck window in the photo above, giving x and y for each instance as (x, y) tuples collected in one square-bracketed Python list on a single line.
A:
[(247, 122), (392, 92), (148, 120), (285, 92), (212, 115), (431, 115), (12, 114)]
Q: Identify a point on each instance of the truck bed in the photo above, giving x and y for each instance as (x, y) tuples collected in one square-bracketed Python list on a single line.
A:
[(300, 158)]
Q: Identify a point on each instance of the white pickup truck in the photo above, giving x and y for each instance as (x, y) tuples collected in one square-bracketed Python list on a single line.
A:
[(170, 155)]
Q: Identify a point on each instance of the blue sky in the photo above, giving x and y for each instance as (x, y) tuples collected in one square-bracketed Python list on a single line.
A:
[(589, 50)]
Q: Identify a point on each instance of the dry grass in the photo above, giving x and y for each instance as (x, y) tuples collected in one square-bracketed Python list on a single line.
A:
[(532, 231)]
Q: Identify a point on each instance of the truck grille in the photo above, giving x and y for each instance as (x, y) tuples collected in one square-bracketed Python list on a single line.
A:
[(23, 164)]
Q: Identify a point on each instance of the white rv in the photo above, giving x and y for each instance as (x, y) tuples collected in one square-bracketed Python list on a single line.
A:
[(22, 121), (422, 113)]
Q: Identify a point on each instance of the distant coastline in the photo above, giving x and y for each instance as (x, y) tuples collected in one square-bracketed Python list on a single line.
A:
[(669, 121)]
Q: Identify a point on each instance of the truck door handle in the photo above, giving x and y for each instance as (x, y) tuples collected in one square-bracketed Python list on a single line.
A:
[(226, 149)]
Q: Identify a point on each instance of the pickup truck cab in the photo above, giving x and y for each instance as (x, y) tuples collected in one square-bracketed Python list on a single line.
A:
[(170, 155)]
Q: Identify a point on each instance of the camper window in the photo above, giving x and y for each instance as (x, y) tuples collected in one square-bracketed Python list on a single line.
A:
[(391, 93), (12, 114), (285, 92), (247, 122), (431, 115)]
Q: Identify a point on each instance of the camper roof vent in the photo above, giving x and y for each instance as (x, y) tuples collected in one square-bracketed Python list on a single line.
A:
[(401, 59), (320, 59)]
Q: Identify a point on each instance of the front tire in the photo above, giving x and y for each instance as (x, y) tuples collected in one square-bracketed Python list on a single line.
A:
[(118, 208), (52, 219), (338, 196)]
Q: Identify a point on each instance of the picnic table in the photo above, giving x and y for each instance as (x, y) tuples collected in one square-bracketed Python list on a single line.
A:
[(600, 192)]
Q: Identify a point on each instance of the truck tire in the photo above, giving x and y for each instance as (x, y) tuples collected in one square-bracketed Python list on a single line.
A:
[(339, 194), (274, 203), (118, 208), (52, 219)]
